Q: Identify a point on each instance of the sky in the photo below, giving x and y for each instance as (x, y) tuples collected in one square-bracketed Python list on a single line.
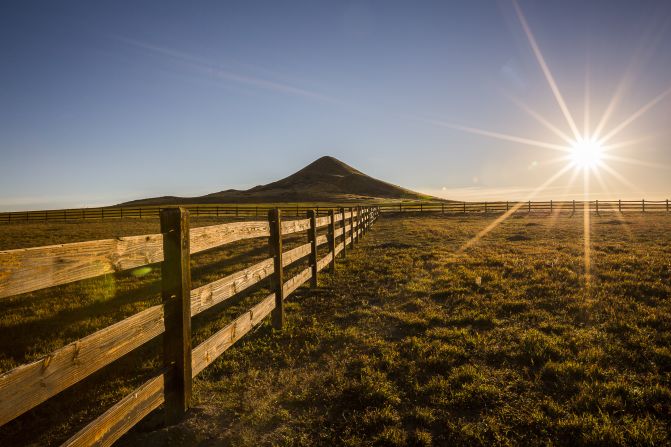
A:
[(102, 103)]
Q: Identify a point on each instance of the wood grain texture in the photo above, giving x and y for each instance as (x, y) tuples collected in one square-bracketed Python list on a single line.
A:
[(323, 221), (295, 254), (325, 261), (297, 281), (205, 238), (222, 289), (26, 386), (116, 421), (295, 226), (28, 269)]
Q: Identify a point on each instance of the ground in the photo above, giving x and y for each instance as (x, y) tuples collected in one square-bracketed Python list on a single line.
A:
[(411, 342)]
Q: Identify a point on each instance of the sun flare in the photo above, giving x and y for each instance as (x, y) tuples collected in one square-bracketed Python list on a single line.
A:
[(586, 153)]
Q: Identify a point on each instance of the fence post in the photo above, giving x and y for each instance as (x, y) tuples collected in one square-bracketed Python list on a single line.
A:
[(464, 207), (275, 245), (485, 207), (351, 225), (344, 233), (364, 220), (619, 205), (667, 205), (365, 227), (312, 238), (442, 207), (551, 207), (643, 204), (176, 296), (359, 223), (331, 240), (597, 205)]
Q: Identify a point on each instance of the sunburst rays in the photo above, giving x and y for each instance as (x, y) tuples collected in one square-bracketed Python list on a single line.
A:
[(597, 139), (546, 70)]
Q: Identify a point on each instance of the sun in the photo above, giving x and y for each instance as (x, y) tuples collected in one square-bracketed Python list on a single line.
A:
[(586, 153)]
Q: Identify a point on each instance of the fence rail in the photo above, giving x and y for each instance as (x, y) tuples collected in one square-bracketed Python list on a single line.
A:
[(248, 211), (25, 270)]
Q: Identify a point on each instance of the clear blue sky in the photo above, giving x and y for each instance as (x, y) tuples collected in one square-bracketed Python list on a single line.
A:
[(105, 103)]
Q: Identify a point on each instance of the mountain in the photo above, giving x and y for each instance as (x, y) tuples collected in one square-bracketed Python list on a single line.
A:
[(324, 180)]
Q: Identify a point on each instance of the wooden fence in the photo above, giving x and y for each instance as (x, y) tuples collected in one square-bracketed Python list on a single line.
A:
[(154, 212), (26, 270), (540, 207), (249, 211)]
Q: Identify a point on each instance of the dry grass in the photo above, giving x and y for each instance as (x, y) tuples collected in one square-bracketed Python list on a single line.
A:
[(411, 344)]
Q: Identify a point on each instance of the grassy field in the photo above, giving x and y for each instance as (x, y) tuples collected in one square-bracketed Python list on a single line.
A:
[(409, 343)]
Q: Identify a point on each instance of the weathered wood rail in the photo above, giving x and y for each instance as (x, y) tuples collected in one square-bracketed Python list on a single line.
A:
[(251, 211), (25, 270)]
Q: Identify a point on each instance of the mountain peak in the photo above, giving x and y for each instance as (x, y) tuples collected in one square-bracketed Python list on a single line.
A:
[(326, 179), (328, 165)]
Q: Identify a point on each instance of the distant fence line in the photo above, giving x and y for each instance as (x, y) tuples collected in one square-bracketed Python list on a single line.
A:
[(550, 206), (27, 270), (247, 210)]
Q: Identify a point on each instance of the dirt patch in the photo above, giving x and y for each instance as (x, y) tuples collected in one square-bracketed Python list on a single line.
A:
[(518, 237)]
